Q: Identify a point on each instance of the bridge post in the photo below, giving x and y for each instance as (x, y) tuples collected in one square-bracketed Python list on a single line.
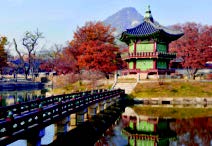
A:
[(34, 139), (73, 121), (108, 102), (61, 126), (116, 99), (101, 106), (92, 110), (80, 116)]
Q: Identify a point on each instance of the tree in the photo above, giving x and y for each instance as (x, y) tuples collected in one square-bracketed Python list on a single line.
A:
[(98, 56), (195, 47), (66, 62), (93, 48), (49, 58), (91, 31), (198, 128), (3, 54), (30, 41)]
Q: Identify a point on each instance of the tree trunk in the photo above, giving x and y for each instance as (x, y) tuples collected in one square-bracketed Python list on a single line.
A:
[(192, 73), (26, 73)]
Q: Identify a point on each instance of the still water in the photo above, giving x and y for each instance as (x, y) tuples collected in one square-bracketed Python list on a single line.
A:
[(13, 97), (140, 130)]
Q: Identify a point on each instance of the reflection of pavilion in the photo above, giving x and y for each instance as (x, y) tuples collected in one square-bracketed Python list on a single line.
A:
[(147, 131)]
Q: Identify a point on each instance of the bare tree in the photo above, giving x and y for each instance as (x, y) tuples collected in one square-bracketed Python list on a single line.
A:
[(30, 41)]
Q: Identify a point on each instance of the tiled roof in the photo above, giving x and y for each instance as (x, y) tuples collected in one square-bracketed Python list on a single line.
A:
[(142, 29), (147, 28)]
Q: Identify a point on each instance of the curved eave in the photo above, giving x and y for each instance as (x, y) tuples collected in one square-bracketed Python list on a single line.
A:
[(171, 37), (126, 37)]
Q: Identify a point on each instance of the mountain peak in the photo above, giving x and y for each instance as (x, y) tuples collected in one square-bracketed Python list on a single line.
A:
[(125, 18)]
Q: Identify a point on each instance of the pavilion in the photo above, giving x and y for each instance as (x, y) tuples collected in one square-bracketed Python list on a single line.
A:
[(148, 47)]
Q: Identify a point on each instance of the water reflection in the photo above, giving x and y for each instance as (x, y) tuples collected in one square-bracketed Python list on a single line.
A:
[(14, 97), (49, 135), (193, 131), (139, 130)]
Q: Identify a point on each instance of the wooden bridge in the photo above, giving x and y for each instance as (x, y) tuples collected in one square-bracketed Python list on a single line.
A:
[(27, 120)]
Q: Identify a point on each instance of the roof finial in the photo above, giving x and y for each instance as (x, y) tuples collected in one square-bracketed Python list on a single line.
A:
[(148, 15), (148, 8)]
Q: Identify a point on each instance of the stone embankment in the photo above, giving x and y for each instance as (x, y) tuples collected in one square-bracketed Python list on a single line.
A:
[(197, 101)]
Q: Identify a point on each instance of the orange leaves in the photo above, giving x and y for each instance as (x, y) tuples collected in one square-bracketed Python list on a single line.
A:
[(98, 56), (193, 47), (92, 31), (95, 31), (93, 48), (66, 62)]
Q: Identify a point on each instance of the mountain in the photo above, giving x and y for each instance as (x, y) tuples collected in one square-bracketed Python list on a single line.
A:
[(124, 19)]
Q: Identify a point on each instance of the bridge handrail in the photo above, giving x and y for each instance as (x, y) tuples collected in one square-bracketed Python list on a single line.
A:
[(17, 109)]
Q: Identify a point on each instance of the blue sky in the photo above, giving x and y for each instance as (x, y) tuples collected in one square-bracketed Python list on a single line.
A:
[(58, 19)]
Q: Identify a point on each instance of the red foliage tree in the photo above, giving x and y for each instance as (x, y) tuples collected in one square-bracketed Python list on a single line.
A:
[(93, 49), (198, 128), (91, 31), (195, 47), (98, 56), (66, 62)]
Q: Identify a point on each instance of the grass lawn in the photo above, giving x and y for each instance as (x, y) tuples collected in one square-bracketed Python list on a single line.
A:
[(76, 87), (173, 89), (173, 112)]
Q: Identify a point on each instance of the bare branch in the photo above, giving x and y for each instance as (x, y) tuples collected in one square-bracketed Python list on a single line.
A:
[(16, 49)]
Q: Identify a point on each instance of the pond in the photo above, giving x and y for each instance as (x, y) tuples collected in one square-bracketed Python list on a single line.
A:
[(135, 129), (141, 130), (12, 97)]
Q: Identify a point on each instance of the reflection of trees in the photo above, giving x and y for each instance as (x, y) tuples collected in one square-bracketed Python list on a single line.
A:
[(12, 97), (193, 131)]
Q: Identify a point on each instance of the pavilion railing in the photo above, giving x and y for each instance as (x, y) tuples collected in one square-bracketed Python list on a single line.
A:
[(150, 54)]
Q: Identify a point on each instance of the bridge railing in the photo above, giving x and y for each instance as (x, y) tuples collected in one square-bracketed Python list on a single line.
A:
[(46, 115), (28, 106)]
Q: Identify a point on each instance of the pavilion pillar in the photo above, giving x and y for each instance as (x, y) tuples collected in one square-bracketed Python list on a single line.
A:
[(135, 51), (134, 64), (155, 47), (34, 139), (155, 64)]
